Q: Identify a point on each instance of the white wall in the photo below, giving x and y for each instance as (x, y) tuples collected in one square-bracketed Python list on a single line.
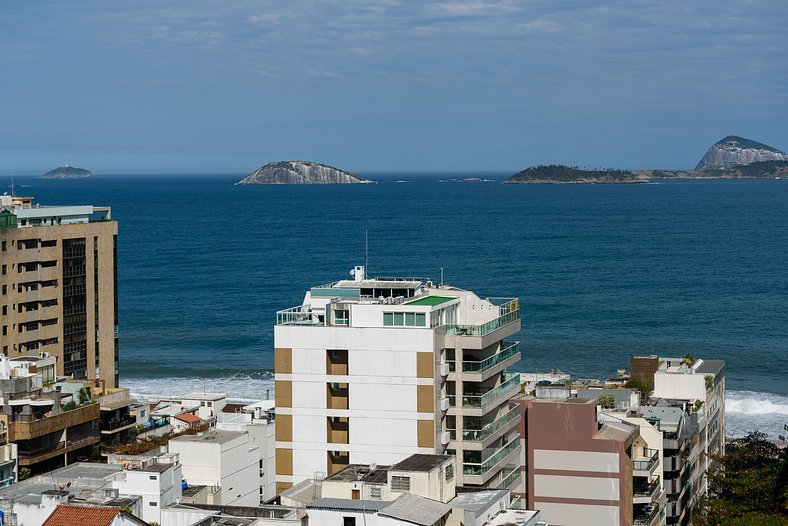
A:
[(577, 514), (576, 461), (679, 386)]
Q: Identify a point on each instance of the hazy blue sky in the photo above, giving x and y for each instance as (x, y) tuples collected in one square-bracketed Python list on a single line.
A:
[(225, 86)]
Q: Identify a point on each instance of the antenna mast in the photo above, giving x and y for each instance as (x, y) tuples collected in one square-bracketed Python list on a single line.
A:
[(366, 252)]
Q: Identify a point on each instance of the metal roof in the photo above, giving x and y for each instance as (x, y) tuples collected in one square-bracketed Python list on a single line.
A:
[(348, 505), (418, 510)]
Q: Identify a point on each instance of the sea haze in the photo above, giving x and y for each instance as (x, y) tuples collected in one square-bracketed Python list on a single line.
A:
[(603, 271)]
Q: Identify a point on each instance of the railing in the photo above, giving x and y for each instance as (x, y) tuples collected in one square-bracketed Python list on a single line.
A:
[(473, 468), (516, 504), (492, 361), (647, 490), (112, 425), (6, 482), (646, 519), (301, 315), (477, 435), (510, 385), (509, 313), (646, 465), (509, 479)]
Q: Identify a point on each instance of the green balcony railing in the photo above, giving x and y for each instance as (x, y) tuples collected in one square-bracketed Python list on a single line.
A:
[(509, 479), (492, 361), (509, 312), (477, 435), (481, 468), (511, 384)]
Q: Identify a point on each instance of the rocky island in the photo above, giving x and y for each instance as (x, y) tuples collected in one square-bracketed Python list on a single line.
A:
[(729, 158), (560, 174), (67, 172), (301, 172)]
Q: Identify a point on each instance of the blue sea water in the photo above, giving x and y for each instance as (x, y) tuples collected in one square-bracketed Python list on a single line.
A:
[(604, 272)]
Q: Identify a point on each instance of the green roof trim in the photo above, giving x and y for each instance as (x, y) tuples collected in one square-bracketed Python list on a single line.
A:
[(430, 300)]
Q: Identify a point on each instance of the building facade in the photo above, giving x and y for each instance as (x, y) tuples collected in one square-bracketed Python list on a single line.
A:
[(375, 370), (58, 286)]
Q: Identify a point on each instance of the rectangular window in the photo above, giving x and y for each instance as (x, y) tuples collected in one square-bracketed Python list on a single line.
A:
[(348, 521), (398, 319), (388, 319), (152, 504), (152, 477), (400, 484), (410, 319), (421, 319)]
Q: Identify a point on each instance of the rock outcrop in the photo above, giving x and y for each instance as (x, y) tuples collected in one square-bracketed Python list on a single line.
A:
[(560, 174), (67, 172), (300, 172), (736, 151)]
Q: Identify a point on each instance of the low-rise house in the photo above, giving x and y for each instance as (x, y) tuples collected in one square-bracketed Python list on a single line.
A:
[(408, 509), (92, 516)]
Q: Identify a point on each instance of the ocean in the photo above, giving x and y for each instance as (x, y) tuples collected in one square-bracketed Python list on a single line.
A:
[(603, 272)]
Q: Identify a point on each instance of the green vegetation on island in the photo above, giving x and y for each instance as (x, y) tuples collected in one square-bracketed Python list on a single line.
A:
[(559, 173), (67, 172)]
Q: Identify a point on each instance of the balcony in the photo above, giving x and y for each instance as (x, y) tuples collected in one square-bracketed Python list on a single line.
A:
[(483, 468), (509, 480), (646, 517), (26, 427), (119, 424), (509, 312), (480, 435), (502, 392), (646, 493), (645, 466), (301, 315)]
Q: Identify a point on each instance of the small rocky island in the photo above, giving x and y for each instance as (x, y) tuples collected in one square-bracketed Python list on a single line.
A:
[(67, 172), (301, 172), (733, 151)]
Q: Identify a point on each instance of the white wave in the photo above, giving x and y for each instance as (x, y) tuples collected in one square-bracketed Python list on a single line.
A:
[(239, 388), (747, 411)]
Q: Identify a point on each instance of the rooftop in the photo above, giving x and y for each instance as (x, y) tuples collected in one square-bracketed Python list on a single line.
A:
[(82, 516), (415, 509), (478, 501), (361, 473), (714, 367), (370, 506), (188, 418), (204, 396), (516, 518), (216, 436), (421, 462), (430, 300)]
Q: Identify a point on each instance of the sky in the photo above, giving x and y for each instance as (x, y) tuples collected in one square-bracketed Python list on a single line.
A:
[(193, 86)]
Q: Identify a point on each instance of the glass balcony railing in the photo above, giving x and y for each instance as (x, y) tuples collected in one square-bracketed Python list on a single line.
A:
[(509, 312), (301, 315), (511, 384), (481, 468), (492, 361), (509, 479), (478, 435), (648, 463), (647, 490), (646, 517)]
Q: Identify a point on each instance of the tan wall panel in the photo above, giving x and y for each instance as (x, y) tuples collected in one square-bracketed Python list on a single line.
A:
[(425, 398), (281, 487), (283, 361), (283, 393), (425, 367), (426, 433), (284, 461), (284, 428)]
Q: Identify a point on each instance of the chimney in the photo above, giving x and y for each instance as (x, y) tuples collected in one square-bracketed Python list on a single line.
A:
[(56, 409)]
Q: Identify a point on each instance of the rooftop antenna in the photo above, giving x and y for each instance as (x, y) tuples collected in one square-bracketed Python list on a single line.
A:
[(366, 252), (441, 276), (12, 186)]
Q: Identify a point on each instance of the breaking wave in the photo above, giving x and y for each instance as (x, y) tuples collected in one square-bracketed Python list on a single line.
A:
[(747, 411)]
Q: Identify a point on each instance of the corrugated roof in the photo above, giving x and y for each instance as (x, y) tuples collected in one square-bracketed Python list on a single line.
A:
[(418, 510), (188, 418), (710, 367), (347, 505), (81, 516)]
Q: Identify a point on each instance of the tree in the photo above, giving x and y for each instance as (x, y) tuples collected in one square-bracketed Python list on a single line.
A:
[(748, 485), (607, 401)]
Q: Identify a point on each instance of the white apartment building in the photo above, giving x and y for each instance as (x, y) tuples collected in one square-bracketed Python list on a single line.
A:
[(257, 420), (377, 369), (224, 461)]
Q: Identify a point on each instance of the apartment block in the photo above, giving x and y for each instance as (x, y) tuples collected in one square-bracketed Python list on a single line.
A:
[(58, 286), (377, 369)]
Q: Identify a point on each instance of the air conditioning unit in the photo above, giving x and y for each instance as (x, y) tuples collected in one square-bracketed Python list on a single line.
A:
[(445, 437), (444, 404), (444, 369)]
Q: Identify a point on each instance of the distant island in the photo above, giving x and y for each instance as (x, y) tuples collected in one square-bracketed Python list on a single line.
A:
[(729, 158), (67, 172), (300, 172)]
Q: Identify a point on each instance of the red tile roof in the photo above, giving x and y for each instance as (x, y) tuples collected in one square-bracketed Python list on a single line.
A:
[(82, 516), (188, 418)]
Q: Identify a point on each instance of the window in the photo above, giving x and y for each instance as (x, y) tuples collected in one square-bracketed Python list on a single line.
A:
[(152, 477), (400, 484), (348, 521), (5, 270), (341, 317), (374, 492), (449, 472), (152, 504), (388, 319), (404, 319)]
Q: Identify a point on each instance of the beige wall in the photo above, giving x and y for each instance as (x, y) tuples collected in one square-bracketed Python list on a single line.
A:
[(16, 343)]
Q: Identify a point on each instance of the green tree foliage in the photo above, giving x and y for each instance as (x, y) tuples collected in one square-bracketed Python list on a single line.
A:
[(607, 401), (70, 406), (748, 486), (84, 397), (640, 386)]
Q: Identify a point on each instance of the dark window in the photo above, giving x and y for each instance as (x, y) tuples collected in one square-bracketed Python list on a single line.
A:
[(348, 521)]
